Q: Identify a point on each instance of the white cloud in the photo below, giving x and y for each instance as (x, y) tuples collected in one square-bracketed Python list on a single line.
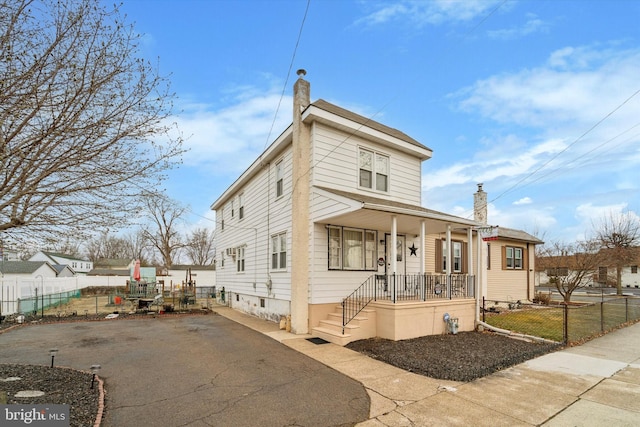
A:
[(523, 201), (227, 140), (429, 12), (533, 25)]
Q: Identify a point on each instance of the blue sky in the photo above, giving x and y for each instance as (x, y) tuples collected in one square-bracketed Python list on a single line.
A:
[(538, 100)]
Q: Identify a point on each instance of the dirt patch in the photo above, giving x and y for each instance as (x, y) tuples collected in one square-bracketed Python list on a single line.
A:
[(461, 357)]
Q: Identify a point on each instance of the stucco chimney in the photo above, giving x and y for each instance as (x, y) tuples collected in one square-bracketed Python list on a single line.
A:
[(301, 165), (301, 94), (480, 206)]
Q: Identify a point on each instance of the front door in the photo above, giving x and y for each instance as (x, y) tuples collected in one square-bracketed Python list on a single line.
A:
[(400, 255)]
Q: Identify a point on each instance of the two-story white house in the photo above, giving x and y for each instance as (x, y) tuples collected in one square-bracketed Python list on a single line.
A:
[(327, 227), (77, 264)]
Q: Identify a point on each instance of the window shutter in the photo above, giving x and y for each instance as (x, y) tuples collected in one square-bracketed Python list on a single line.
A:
[(525, 259), (504, 257), (438, 268)]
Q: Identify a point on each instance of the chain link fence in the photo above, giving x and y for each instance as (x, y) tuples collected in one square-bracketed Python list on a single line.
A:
[(561, 322)]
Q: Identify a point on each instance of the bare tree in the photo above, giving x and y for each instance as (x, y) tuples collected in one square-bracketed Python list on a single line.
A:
[(128, 246), (569, 267), (161, 232), (200, 246), (83, 120), (618, 235)]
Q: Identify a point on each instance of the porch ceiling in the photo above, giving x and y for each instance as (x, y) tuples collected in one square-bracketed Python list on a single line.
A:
[(381, 220)]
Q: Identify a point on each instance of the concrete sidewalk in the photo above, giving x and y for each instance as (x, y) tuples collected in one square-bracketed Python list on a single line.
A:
[(595, 384)]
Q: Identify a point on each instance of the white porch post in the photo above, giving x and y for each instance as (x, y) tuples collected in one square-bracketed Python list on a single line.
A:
[(448, 254), (449, 260), (470, 250), (394, 244), (423, 250), (479, 275)]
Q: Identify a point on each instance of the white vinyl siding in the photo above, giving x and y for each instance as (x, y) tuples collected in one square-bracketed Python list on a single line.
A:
[(264, 215), (335, 165)]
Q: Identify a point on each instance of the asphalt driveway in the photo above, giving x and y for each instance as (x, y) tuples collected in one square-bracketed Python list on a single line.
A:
[(201, 370)]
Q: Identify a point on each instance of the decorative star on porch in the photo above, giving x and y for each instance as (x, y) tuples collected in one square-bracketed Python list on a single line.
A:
[(413, 249)]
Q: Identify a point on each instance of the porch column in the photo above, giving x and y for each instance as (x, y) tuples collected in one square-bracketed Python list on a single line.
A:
[(394, 245), (479, 275), (470, 250), (448, 254), (423, 249)]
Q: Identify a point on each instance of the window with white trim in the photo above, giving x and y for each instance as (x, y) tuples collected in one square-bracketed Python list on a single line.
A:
[(456, 255), (279, 251), (352, 248), (240, 258), (279, 179), (373, 170), (241, 206), (513, 258), (233, 212), (335, 248)]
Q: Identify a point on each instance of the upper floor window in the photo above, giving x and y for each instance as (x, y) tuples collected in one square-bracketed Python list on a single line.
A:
[(513, 258), (279, 251), (373, 170), (233, 212), (241, 206), (279, 179)]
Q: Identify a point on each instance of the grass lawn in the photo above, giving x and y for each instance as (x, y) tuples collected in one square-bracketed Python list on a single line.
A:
[(539, 322), (583, 321)]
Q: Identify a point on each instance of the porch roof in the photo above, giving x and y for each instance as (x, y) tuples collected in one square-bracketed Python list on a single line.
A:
[(375, 213)]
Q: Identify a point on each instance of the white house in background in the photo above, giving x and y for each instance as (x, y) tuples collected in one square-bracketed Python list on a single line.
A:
[(78, 265), (327, 227), (27, 269)]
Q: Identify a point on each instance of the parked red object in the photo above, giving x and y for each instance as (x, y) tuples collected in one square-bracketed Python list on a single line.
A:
[(136, 271)]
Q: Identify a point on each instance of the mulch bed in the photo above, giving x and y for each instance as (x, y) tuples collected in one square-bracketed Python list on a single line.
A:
[(464, 357)]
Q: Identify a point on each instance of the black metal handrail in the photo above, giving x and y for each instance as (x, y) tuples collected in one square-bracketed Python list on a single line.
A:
[(406, 287)]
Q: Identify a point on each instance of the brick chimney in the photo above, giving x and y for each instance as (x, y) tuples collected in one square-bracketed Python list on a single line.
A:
[(480, 206)]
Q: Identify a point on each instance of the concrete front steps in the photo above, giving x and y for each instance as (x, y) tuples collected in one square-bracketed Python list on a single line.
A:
[(361, 327)]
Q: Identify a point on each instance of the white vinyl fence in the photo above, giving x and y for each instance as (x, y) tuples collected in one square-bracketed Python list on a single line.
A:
[(27, 294)]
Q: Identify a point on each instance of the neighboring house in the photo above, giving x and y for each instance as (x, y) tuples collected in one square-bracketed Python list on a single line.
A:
[(27, 269), (509, 259), (63, 270), (326, 228), (112, 267), (78, 265), (602, 275)]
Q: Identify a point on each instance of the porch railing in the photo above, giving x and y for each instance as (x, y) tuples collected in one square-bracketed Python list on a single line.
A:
[(406, 287)]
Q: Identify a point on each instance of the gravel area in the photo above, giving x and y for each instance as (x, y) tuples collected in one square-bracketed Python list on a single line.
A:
[(59, 385), (461, 357)]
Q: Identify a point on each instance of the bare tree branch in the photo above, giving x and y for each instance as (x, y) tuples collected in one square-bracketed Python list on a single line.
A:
[(83, 120)]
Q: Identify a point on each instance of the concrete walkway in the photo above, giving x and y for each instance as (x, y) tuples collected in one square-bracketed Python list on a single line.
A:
[(595, 384)]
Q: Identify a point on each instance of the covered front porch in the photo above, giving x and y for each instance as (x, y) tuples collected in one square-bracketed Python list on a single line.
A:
[(413, 284)]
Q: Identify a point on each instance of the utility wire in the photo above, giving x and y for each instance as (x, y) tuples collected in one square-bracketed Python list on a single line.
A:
[(286, 81)]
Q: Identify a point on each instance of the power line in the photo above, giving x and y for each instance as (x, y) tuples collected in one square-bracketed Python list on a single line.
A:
[(286, 81)]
